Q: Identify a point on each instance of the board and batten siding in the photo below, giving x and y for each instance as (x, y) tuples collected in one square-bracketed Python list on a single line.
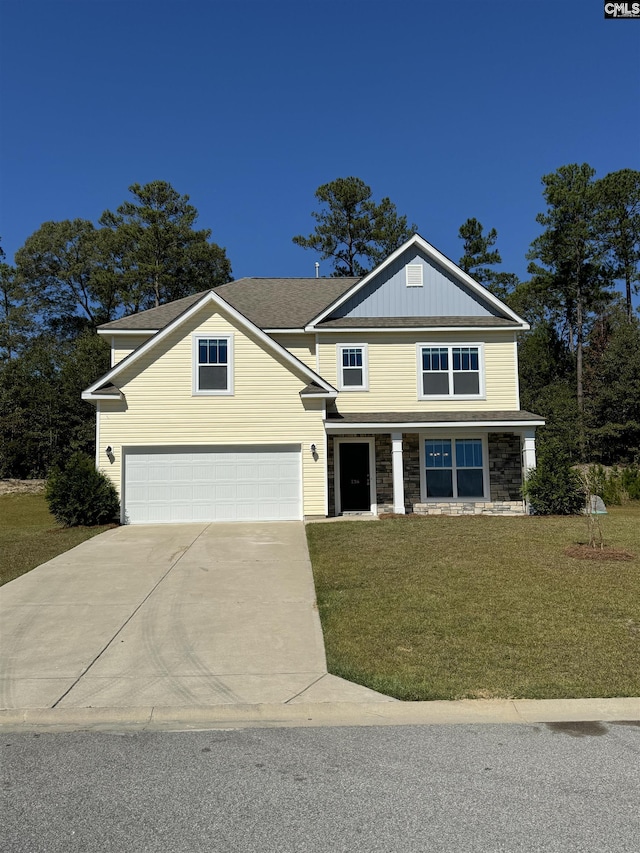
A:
[(265, 408), (441, 295), (393, 372)]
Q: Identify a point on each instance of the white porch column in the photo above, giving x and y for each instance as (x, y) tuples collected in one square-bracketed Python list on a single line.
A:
[(528, 451), (398, 473)]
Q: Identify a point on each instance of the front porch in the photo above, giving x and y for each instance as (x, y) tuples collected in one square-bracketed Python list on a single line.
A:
[(431, 467)]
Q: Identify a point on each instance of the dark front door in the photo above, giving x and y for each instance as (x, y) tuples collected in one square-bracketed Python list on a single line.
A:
[(355, 494)]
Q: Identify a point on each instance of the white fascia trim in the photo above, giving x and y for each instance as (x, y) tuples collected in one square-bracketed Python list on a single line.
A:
[(439, 258), (337, 330), (242, 322), (299, 331), (333, 427), (329, 395), (94, 396), (120, 332)]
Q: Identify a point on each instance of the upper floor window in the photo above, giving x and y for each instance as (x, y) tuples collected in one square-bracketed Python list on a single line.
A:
[(213, 365), (352, 367), (450, 371)]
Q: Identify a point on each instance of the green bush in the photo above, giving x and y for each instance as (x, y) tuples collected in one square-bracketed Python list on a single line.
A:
[(553, 487), (616, 485), (78, 494)]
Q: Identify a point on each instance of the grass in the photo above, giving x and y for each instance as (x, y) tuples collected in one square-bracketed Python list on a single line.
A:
[(30, 535), (446, 608)]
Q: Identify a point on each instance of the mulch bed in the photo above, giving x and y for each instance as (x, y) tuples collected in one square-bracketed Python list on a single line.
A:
[(586, 552)]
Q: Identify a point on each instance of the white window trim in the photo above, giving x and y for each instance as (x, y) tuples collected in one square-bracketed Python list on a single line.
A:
[(452, 435), (195, 390), (365, 367), (481, 395), (370, 440)]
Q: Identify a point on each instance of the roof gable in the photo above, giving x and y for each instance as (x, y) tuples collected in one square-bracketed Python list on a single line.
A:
[(445, 292), (269, 344), (440, 295)]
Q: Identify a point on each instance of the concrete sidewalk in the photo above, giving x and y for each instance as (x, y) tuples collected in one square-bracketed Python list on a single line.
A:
[(169, 615)]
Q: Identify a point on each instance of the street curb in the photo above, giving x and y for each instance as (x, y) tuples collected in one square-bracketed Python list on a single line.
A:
[(464, 711)]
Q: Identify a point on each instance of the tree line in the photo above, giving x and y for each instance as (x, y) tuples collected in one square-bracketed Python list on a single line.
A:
[(579, 363)]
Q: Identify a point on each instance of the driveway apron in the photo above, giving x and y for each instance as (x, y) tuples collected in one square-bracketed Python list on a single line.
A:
[(170, 615)]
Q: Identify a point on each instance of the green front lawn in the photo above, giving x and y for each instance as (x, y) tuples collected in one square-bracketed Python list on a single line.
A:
[(30, 535), (445, 608)]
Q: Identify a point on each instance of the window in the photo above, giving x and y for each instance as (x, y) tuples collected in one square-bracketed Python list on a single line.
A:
[(450, 371), (213, 365), (352, 367), (454, 468)]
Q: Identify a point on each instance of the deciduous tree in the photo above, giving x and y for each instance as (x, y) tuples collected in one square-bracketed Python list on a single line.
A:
[(59, 268)]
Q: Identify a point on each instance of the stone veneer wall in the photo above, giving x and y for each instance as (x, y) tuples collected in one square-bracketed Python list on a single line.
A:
[(505, 477), (471, 508), (384, 473), (505, 466), (411, 462)]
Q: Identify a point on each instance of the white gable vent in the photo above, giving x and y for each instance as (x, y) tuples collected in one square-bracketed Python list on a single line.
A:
[(414, 275)]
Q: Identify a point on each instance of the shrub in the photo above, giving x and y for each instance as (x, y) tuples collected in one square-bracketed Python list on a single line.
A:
[(553, 487), (78, 494), (616, 485)]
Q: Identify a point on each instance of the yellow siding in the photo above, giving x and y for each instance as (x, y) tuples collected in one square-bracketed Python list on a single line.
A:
[(302, 347), (393, 372), (265, 408), (124, 345)]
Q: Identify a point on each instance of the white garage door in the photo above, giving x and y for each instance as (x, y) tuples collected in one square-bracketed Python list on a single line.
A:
[(204, 484)]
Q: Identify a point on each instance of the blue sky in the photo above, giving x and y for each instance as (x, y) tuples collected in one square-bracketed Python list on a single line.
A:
[(452, 109)]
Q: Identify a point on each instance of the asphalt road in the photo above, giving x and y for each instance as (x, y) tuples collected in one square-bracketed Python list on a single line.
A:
[(551, 787)]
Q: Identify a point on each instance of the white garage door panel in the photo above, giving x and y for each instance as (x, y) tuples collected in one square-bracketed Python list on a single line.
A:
[(225, 484)]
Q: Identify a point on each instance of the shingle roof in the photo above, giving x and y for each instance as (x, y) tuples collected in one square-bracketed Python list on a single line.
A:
[(270, 303), (415, 322), (283, 303), (430, 417)]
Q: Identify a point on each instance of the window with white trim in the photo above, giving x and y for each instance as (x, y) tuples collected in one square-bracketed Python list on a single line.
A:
[(213, 364), (352, 367), (450, 371), (454, 468)]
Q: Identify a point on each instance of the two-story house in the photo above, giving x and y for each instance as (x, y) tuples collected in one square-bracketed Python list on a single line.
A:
[(270, 399)]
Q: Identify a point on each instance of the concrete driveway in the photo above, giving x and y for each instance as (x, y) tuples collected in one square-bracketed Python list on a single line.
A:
[(169, 615)]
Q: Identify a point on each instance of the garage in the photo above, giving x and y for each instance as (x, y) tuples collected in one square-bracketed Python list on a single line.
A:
[(182, 484)]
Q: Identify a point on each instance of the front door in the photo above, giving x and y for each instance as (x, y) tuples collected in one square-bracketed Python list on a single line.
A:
[(355, 490)]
